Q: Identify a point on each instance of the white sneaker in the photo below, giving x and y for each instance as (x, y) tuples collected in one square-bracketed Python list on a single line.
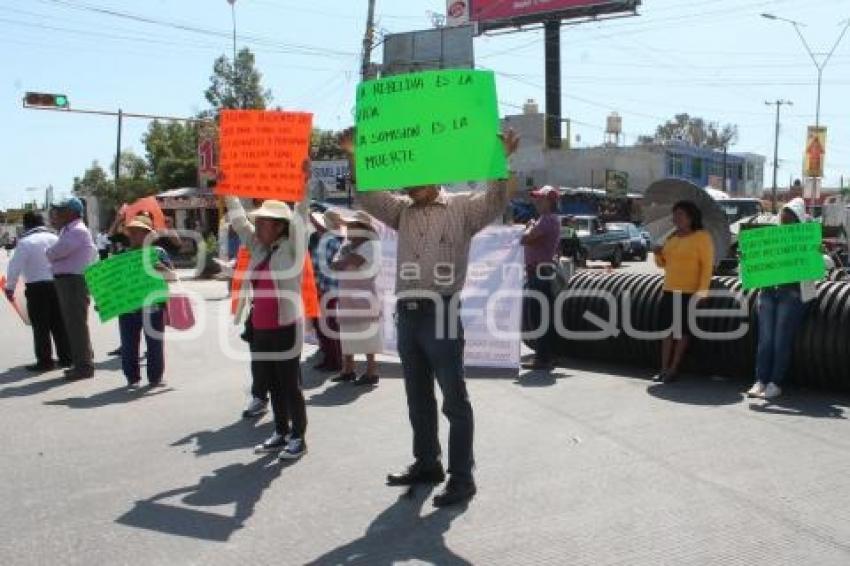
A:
[(254, 408), (757, 390), (275, 443), (772, 391)]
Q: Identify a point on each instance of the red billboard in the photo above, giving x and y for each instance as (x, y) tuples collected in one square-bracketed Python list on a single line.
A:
[(500, 13)]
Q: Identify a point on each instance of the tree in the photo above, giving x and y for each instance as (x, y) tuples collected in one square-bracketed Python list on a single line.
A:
[(695, 131), (325, 145), (171, 151), (134, 183), (244, 90), (94, 181)]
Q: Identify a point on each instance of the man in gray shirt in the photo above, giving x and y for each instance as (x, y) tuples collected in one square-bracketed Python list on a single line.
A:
[(434, 233)]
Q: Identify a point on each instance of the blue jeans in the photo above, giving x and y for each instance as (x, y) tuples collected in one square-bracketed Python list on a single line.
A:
[(780, 314), (132, 327), (424, 356)]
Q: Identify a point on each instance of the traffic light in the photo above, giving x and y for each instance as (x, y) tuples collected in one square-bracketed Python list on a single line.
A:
[(44, 100)]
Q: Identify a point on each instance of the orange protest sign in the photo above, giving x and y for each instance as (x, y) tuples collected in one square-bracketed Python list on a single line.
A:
[(148, 206), (262, 153), (309, 294), (19, 301)]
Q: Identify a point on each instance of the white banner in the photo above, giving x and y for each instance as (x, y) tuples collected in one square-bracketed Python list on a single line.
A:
[(491, 301)]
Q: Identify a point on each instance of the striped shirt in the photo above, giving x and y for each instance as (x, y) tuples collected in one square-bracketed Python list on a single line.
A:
[(433, 239)]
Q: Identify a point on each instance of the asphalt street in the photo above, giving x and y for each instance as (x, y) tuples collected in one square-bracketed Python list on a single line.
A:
[(590, 465)]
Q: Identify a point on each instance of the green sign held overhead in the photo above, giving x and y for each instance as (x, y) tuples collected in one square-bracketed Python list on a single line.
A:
[(777, 255), (428, 128), (125, 283)]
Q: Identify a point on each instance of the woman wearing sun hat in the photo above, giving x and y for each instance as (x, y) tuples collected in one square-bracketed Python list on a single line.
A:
[(132, 325), (276, 238), (358, 310)]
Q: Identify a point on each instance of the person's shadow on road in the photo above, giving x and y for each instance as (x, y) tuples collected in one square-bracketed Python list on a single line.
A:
[(32, 388), (239, 484), (238, 435), (117, 396), (339, 394), (401, 534)]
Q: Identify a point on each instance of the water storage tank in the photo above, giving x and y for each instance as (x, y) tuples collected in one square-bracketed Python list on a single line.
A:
[(530, 107), (614, 124)]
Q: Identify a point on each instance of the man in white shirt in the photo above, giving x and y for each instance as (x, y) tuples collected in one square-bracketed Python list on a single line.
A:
[(30, 262), (103, 244)]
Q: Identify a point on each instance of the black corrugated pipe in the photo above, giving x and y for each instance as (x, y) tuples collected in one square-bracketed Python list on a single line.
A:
[(821, 352)]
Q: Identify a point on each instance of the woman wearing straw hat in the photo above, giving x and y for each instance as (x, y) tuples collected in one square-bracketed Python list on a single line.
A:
[(358, 310), (132, 325), (276, 239)]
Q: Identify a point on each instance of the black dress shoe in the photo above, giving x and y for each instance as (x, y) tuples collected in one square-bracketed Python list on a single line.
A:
[(344, 377), (76, 374), (417, 473), (455, 493), (366, 380), (40, 367), (115, 352)]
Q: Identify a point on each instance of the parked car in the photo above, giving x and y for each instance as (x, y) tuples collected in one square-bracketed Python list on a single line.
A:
[(593, 241), (638, 248)]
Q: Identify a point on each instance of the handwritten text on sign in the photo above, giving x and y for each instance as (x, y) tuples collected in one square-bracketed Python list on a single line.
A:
[(125, 283), (428, 128), (781, 254), (262, 153)]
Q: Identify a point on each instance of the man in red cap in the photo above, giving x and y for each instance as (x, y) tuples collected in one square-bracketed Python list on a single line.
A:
[(541, 247)]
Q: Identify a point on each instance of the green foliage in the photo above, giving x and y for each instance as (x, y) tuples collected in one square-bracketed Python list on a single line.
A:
[(695, 131), (243, 91), (133, 184), (324, 145), (171, 150)]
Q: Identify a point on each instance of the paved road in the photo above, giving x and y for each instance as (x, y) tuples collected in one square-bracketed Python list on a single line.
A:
[(594, 465)]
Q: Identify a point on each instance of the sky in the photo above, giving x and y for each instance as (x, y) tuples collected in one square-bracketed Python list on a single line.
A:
[(717, 59)]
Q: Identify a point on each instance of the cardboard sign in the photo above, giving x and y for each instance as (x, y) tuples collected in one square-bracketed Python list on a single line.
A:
[(428, 128), (309, 294), (125, 283), (777, 255), (147, 206), (262, 153)]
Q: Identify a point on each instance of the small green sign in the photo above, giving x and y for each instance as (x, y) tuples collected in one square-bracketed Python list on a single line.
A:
[(125, 283), (777, 255), (428, 128)]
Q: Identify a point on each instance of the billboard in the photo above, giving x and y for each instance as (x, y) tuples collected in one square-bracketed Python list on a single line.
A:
[(815, 152), (493, 14), (441, 48)]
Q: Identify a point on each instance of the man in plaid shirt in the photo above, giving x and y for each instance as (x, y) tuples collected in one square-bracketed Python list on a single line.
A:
[(323, 247)]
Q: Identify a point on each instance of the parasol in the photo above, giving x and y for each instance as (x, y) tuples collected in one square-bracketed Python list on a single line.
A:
[(657, 212)]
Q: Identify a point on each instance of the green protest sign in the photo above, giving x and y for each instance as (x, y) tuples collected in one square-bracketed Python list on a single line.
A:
[(125, 283), (428, 128), (777, 255)]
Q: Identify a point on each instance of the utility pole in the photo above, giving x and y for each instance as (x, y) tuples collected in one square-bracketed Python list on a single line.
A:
[(779, 104), (552, 32), (118, 149), (235, 73), (368, 40)]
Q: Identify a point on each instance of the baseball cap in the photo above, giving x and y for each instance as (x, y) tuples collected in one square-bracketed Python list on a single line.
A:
[(72, 203)]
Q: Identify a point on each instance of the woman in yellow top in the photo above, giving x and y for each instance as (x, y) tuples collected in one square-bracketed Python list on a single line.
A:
[(687, 258)]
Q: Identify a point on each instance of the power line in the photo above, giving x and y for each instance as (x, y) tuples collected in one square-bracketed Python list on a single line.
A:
[(301, 49)]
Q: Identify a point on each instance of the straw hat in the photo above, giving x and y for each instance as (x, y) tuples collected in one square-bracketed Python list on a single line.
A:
[(348, 217), (273, 210), (141, 222)]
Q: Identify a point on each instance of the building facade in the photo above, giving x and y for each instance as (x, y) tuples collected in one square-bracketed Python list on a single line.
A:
[(640, 165)]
